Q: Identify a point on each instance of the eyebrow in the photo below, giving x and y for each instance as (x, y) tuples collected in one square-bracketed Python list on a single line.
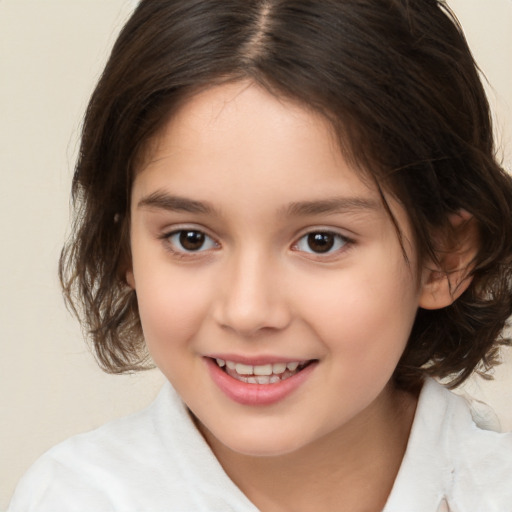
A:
[(331, 205), (164, 201)]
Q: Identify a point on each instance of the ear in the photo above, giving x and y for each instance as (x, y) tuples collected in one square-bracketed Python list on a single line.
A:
[(446, 280), (130, 278)]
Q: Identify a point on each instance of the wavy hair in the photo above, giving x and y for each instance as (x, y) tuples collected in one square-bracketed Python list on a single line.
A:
[(399, 85)]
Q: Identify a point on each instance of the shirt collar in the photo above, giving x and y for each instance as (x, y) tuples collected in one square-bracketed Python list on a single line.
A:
[(426, 473)]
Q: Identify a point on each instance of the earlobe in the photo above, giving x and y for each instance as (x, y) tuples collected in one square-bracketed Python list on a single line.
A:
[(446, 280), (442, 289), (130, 279)]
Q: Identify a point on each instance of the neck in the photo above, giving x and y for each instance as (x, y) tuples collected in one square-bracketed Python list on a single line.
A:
[(351, 469)]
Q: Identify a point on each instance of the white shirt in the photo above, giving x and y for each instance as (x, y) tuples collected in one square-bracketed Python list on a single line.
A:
[(157, 461)]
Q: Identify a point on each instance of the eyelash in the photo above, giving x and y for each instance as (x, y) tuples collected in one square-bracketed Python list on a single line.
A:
[(338, 243), (177, 234)]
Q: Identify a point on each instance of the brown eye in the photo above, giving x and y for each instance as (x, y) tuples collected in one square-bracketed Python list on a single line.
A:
[(190, 240), (321, 242)]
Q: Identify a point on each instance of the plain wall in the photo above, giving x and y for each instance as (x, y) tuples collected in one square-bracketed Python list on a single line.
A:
[(51, 54)]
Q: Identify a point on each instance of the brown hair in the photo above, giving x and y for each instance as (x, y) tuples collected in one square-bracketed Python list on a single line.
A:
[(400, 87)]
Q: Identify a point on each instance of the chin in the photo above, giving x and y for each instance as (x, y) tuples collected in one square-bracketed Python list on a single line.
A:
[(258, 445)]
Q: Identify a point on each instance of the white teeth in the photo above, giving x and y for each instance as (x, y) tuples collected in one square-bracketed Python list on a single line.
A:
[(244, 369), (265, 369), (261, 379), (278, 368), (247, 369)]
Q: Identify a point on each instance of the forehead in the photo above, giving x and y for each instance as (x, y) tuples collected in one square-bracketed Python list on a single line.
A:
[(242, 127)]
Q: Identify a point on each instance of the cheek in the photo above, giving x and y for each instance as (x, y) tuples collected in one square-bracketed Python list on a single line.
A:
[(365, 317), (171, 307)]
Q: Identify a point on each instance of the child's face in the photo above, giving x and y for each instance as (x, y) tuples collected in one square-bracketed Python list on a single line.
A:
[(255, 242)]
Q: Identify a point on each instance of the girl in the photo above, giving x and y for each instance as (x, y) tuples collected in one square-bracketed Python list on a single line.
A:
[(292, 208)]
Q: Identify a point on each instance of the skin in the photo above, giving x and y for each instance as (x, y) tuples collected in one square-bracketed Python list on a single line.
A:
[(247, 165)]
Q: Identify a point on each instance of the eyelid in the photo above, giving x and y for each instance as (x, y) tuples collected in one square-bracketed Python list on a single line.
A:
[(171, 231), (347, 243)]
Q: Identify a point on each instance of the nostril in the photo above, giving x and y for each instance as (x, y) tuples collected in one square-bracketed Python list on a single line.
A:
[(248, 299)]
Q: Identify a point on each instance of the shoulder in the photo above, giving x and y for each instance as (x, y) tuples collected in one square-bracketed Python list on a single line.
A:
[(449, 457), (153, 460), (79, 473), (481, 458)]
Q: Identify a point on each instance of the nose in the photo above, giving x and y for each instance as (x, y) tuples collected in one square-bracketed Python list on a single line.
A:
[(252, 297)]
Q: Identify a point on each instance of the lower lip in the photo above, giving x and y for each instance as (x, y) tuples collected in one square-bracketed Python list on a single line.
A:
[(257, 394)]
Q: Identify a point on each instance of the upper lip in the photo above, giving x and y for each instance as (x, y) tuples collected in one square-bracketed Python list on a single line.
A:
[(257, 360)]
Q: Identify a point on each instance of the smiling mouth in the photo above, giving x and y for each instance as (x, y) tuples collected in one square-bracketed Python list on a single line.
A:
[(261, 374)]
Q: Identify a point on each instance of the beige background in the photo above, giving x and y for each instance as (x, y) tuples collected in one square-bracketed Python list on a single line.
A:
[(51, 53)]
